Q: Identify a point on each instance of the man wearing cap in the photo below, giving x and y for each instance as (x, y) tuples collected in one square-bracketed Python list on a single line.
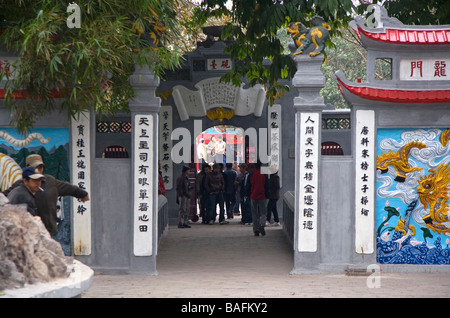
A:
[(26, 191), (52, 188)]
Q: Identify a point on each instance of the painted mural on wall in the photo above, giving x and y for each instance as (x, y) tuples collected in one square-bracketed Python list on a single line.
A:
[(413, 191), (53, 145)]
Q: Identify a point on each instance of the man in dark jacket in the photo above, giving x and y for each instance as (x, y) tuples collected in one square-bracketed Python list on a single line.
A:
[(215, 185), (245, 191), (53, 188), (258, 197), (274, 195), (26, 191), (230, 189), (202, 194)]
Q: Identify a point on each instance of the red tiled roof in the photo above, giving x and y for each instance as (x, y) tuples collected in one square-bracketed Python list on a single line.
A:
[(409, 36), (397, 95)]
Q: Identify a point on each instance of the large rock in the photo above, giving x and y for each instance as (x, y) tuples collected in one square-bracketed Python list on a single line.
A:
[(28, 254)]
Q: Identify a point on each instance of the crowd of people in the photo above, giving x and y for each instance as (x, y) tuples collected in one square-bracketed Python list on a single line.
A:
[(234, 190)]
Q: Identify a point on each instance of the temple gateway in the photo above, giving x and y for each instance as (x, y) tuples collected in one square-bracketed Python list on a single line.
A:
[(360, 186)]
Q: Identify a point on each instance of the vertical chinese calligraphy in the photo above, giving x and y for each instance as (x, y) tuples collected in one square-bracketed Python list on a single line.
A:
[(81, 175), (364, 182), (274, 135), (143, 185), (308, 182), (165, 145)]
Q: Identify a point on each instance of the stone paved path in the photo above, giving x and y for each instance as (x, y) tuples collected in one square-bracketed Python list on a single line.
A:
[(227, 261)]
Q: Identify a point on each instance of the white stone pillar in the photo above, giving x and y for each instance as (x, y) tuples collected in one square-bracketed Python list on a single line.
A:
[(308, 105), (365, 163), (144, 114), (81, 177)]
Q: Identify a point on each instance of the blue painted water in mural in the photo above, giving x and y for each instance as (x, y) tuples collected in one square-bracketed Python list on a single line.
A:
[(413, 174), (53, 145)]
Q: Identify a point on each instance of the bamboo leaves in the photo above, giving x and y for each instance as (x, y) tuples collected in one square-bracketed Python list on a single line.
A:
[(76, 63)]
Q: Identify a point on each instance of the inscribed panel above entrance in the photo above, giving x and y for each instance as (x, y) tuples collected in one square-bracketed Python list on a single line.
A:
[(213, 93)]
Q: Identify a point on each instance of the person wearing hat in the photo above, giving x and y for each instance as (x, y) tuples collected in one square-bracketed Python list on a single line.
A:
[(53, 188), (184, 197), (26, 191)]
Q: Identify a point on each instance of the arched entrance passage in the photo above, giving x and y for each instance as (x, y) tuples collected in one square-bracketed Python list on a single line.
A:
[(227, 145), (195, 107), (224, 144)]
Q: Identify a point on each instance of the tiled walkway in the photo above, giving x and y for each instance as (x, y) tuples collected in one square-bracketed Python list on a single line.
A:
[(227, 261)]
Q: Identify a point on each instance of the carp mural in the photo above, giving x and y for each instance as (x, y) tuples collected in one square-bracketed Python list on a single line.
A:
[(413, 192), (53, 145)]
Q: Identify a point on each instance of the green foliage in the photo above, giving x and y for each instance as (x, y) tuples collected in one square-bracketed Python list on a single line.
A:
[(348, 55), (254, 26), (418, 12), (88, 66)]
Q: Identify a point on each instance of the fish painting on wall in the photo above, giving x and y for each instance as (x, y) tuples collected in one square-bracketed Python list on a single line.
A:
[(413, 191)]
